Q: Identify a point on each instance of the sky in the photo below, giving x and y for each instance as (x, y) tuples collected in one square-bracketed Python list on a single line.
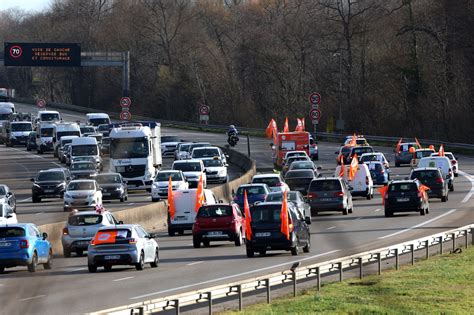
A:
[(27, 5)]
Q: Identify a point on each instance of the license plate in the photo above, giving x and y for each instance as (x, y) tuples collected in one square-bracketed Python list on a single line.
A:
[(49, 190), (5, 244), (112, 257), (264, 234), (83, 243), (403, 199), (105, 194), (325, 199), (179, 218), (214, 233)]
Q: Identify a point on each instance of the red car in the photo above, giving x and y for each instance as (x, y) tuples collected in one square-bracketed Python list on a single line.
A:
[(219, 222)]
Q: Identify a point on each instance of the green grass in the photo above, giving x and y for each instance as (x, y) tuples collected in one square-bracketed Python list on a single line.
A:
[(441, 285)]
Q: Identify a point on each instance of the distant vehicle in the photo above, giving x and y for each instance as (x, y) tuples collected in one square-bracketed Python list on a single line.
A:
[(274, 181), (61, 130), (83, 169), (362, 183), (454, 162), (6, 110), (44, 137), (113, 186), (290, 141), (208, 152), (343, 153), (293, 159), (216, 170), (104, 129), (418, 155), (405, 196), (379, 174), (182, 151), (359, 151), (313, 149), (105, 146), (330, 194), (85, 147), (360, 141), (31, 141), (194, 145), (266, 233), (432, 178), (295, 197), (96, 119), (61, 143), (82, 193), (7, 215), (220, 222), (98, 137), (375, 157), (16, 132), (50, 116), (87, 130), (7, 196), (159, 188), (403, 155), (303, 165), (63, 153), (444, 165), (299, 180), (255, 193), (49, 184), (169, 144), (81, 228), (192, 170), (294, 153), (127, 244), (22, 244)]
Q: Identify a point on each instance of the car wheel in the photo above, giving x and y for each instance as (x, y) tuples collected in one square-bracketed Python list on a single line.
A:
[(368, 197), (92, 268), (49, 263), (196, 242), (155, 199), (239, 241), (397, 164), (154, 263), (28, 148), (345, 211), (206, 243), (122, 199), (388, 213), (456, 174), (79, 253), (171, 232), (250, 253), (141, 264), (428, 209), (262, 252), (66, 252), (34, 263), (295, 249), (35, 199), (108, 267), (307, 247)]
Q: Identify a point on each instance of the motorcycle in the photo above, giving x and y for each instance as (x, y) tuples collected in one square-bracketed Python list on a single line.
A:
[(232, 139)]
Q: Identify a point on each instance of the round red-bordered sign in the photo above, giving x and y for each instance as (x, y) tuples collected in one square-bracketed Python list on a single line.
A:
[(16, 51), (125, 115), (204, 110), (41, 103), (125, 101), (315, 114), (315, 98)]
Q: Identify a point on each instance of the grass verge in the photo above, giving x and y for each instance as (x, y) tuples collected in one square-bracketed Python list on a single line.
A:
[(441, 285)]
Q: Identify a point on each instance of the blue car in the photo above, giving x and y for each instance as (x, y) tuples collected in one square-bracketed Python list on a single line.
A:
[(23, 245), (379, 173), (255, 193)]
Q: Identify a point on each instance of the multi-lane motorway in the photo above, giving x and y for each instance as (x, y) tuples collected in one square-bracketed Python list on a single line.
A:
[(69, 288)]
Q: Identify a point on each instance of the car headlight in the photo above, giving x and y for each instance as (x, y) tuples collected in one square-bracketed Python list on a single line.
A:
[(155, 185), (119, 189), (60, 185)]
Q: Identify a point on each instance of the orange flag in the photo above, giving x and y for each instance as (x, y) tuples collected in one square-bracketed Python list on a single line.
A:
[(353, 142), (299, 125), (423, 191), (418, 143), (285, 224), (353, 167), (441, 151), (302, 122), (383, 191), (285, 127), (397, 149), (105, 237), (248, 218), (271, 128), (341, 171), (171, 207), (199, 195)]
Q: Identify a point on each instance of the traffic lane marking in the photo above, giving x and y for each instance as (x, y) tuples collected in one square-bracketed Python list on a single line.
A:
[(194, 263), (32, 298), (418, 225), (233, 276), (471, 192), (331, 227), (122, 279)]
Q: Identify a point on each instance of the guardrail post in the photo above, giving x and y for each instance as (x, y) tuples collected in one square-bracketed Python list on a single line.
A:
[(466, 233), (472, 236), (379, 260), (140, 310), (267, 284), (441, 245), (176, 306), (239, 290), (248, 144), (293, 272), (412, 249), (339, 265), (209, 297), (453, 235), (318, 277), (427, 244), (397, 263), (360, 268)]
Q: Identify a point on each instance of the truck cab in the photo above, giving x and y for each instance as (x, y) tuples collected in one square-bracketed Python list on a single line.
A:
[(96, 119), (44, 137), (85, 146)]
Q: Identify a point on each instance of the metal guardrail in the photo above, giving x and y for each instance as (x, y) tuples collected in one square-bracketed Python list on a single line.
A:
[(293, 275)]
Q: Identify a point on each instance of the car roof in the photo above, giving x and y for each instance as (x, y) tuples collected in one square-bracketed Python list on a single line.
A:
[(326, 178), (53, 170), (88, 212), (403, 181), (82, 181), (121, 227), (425, 169), (110, 173), (187, 161), (209, 147), (373, 162), (266, 175), (253, 185), (20, 225)]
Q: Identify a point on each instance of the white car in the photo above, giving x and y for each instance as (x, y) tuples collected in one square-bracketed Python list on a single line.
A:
[(208, 152), (159, 188), (192, 170), (7, 216), (454, 161), (273, 181), (216, 169), (182, 151), (294, 153), (82, 193)]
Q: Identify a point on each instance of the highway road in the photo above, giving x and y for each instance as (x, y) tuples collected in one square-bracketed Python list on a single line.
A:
[(69, 288)]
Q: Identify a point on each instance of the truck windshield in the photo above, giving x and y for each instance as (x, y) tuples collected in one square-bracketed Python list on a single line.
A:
[(89, 149), (122, 148), (46, 132), (21, 127), (49, 117), (99, 121), (67, 133), (4, 116)]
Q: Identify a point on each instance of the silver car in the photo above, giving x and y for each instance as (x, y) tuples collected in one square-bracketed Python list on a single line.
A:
[(330, 194), (81, 228), (126, 244)]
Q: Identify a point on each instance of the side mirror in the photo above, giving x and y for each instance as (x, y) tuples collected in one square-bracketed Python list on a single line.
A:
[(388, 161), (226, 165), (9, 215), (227, 156), (152, 235), (307, 220), (306, 199), (45, 235), (205, 171), (350, 187), (320, 175), (319, 168), (32, 180)]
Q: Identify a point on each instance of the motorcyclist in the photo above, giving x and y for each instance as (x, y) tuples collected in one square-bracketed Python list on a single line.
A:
[(232, 132)]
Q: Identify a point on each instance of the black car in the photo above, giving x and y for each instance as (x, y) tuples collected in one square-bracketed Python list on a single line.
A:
[(113, 186), (358, 151), (31, 141), (405, 196), (293, 196), (266, 230), (83, 169), (50, 184), (104, 129), (299, 180), (8, 197), (105, 146), (432, 178)]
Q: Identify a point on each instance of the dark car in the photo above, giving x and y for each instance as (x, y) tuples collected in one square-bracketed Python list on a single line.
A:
[(266, 230), (105, 146), (219, 222), (405, 196), (255, 193), (359, 151), (83, 169), (7, 196), (403, 154), (49, 184), (378, 172), (293, 196), (104, 129), (329, 194), (299, 180), (304, 165), (343, 153), (113, 186), (432, 178), (31, 142)]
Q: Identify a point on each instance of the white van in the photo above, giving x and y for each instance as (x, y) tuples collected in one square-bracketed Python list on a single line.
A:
[(444, 164), (85, 146), (184, 203), (64, 129), (49, 116), (96, 119), (44, 137), (362, 184), (8, 105)]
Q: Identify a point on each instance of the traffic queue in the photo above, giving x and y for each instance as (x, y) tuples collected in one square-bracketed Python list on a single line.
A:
[(274, 211)]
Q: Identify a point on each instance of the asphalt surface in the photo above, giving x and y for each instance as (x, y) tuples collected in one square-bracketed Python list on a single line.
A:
[(69, 288)]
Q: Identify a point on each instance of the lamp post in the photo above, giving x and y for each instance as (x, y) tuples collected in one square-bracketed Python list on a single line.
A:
[(340, 125)]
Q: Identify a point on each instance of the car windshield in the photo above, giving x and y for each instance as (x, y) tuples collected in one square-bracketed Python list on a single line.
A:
[(21, 127), (375, 166), (81, 186), (215, 211), (291, 196), (302, 165), (49, 117), (187, 167), (251, 190), (88, 149), (165, 139), (371, 157), (300, 173), (164, 176), (4, 116), (2, 191), (406, 146), (82, 166), (84, 219), (7, 232), (403, 187), (87, 129), (325, 185), (46, 132), (103, 128), (184, 147), (345, 150), (50, 176), (200, 153), (270, 181), (108, 179), (213, 163), (121, 148), (424, 153), (100, 121), (425, 175), (65, 141), (265, 214), (296, 158), (294, 154), (361, 150)]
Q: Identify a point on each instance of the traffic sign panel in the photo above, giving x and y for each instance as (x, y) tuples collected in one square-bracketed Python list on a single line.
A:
[(125, 115), (315, 114), (204, 110), (41, 103), (125, 101), (315, 98)]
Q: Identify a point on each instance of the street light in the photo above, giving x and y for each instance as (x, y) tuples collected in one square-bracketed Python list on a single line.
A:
[(338, 55)]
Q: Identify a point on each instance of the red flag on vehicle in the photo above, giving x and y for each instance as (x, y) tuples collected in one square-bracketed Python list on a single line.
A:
[(353, 142), (285, 224), (441, 151), (341, 171), (383, 191), (302, 122), (285, 127), (418, 143), (171, 208), (299, 125), (199, 194), (248, 218), (353, 167), (397, 149), (271, 128)]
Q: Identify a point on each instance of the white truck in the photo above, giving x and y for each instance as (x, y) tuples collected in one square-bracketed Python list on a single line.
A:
[(96, 119), (16, 132), (135, 153), (50, 116), (6, 110), (44, 137), (64, 129)]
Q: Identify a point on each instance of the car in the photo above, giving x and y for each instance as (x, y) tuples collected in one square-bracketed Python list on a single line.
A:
[(182, 151), (168, 144), (343, 153), (266, 233), (358, 151), (7, 196), (304, 165), (313, 149), (274, 181), (104, 129), (197, 145), (375, 157), (98, 137), (378, 172), (255, 193), (208, 152), (82, 193), (403, 154), (293, 153), (113, 186), (292, 159), (330, 194), (360, 141), (67, 154), (405, 196), (361, 184), (193, 170), (127, 244), (444, 165), (454, 161), (432, 178), (83, 169), (105, 146), (7, 215), (299, 180), (81, 228), (419, 154), (49, 183), (63, 151), (216, 170), (296, 197), (159, 188), (219, 222), (31, 142), (87, 130), (22, 244)]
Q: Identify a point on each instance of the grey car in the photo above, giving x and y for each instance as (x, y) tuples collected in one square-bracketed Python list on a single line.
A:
[(83, 169), (7, 196), (299, 180), (329, 194), (113, 186), (126, 244)]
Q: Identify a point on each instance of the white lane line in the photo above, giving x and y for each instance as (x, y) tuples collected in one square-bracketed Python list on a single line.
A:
[(131, 204), (471, 192), (122, 279), (357, 218), (195, 263), (418, 225), (377, 210), (24, 200), (32, 298), (331, 227), (232, 276), (39, 213), (78, 269)]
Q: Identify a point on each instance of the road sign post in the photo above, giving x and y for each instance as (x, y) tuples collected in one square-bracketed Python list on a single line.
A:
[(204, 111), (315, 112)]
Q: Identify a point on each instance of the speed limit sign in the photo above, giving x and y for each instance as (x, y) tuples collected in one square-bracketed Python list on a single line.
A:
[(315, 114), (41, 103)]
